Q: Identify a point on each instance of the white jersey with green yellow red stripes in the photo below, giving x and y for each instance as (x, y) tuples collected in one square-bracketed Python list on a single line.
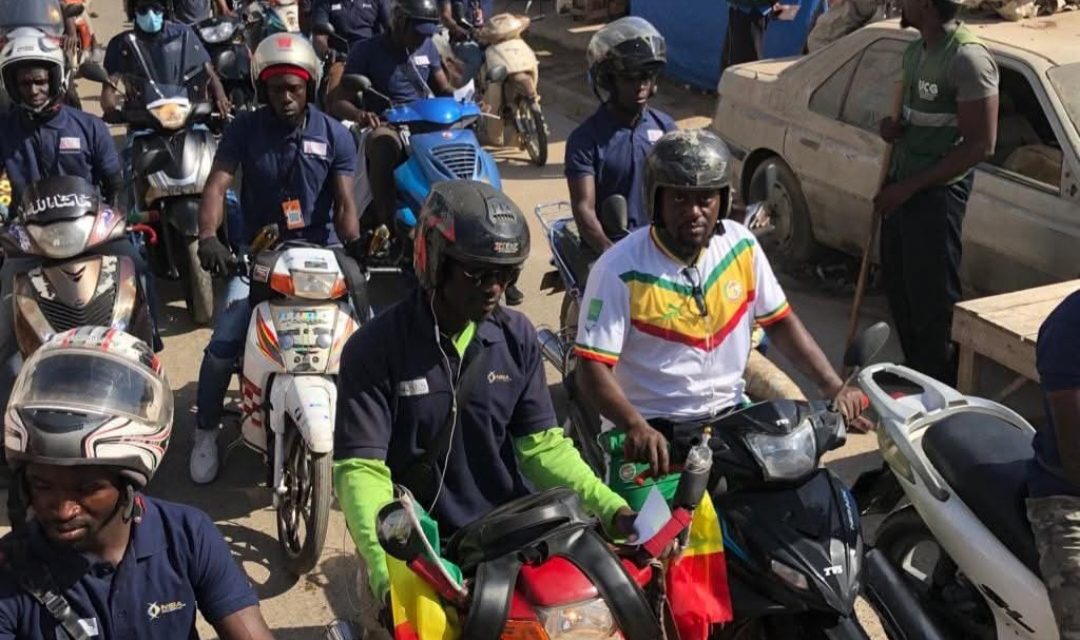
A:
[(676, 333)]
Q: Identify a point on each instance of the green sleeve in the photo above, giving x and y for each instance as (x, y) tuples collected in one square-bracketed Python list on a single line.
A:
[(363, 487), (550, 459)]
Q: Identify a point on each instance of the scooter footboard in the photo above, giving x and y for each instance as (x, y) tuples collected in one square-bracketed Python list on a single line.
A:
[(309, 402)]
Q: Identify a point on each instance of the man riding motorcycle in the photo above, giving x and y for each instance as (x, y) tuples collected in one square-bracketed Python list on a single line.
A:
[(353, 20), (605, 154), (88, 425), (667, 313), (297, 165), (449, 368), (42, 137), (404, 65)]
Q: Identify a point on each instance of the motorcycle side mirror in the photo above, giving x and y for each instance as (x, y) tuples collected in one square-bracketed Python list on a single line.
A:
[(323, 29), (73, 10), (94, 72), (865, 347), (396, 534), (614, 217), (150, 161), (497, 74), (355, 83)]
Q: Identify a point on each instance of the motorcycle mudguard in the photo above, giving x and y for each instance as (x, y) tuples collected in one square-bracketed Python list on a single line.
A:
[(811, 528), (183, 215), (309, 401)]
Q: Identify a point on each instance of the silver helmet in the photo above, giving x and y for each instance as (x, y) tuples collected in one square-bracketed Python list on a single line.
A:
[(286, 49)]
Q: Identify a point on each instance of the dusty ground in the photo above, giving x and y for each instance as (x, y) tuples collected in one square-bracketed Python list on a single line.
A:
[(298, 609)]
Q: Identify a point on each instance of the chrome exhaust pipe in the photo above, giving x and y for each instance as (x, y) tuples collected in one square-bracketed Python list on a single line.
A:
[(552, 347)]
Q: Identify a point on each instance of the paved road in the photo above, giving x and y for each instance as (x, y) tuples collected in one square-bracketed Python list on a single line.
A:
[(238, 501)]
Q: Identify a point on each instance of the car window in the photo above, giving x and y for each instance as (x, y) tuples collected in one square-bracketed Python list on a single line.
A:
[(1026, 143), (829, 97), (1066, 79), (870, 97)]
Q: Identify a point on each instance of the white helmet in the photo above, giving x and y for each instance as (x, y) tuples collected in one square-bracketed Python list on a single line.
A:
[(91, 396), (27, 45), (285, 49)]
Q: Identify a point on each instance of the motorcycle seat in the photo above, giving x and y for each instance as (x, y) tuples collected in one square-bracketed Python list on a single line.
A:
[(985, 461)]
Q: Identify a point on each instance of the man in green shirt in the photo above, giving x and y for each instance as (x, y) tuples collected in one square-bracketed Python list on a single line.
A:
[(949, 125)]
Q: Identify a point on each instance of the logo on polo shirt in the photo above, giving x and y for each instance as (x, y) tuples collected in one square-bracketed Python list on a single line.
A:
[(733, 290), (70, 144), (155, 610), (494, 377)]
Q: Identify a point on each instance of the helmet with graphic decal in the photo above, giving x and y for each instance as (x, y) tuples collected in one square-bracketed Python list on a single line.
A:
[(285, 53), (471, 222), (628, 45), (27, 47), (91, 396), (687, 159)]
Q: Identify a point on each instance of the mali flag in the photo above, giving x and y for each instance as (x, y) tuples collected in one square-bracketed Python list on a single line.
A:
[(697, 583)]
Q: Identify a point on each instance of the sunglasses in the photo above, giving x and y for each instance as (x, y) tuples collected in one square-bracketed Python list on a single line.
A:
[(487, 276), (694, 276)]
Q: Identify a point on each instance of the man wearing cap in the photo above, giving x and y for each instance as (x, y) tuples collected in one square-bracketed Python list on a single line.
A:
[(949, 125), (403, 65), (298, 166)]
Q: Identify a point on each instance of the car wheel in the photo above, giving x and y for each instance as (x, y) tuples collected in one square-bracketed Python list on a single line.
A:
[(790, 238)]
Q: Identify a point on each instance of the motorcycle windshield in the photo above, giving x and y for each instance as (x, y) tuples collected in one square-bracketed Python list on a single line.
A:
[(42, 14), (162, 71)]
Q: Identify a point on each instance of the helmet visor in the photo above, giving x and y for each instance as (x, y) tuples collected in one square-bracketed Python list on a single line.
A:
[(91, 382)]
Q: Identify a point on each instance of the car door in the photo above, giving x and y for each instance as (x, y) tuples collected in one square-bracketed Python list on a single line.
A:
[(833, 144), (1021, 229)]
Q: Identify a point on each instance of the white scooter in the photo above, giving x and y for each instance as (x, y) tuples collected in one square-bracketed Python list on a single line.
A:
[(300, 323), (962, 534)]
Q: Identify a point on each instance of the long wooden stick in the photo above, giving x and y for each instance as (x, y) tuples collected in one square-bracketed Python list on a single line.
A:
[(875, 226)]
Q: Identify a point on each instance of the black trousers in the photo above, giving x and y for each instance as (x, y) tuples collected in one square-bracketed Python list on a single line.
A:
[(920, 260), (745, 36)]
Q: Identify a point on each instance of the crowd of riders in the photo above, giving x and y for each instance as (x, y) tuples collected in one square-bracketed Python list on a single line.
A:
[(444, 392)]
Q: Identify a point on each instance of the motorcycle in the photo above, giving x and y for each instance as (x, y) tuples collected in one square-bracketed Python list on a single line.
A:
[(438, 136), (572, 260), (513, 95), (62, 221), (223, 37), (263, 18), (953, 486), (300, 322), (172, 152)]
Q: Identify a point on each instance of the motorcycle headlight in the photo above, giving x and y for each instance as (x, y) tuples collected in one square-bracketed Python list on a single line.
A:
[(62, 239), (217, 33), (785, 457), (171, 115), (317, 286), (582, 621)]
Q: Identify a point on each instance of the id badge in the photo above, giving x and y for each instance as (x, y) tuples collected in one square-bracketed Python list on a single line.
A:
[(294, 218)]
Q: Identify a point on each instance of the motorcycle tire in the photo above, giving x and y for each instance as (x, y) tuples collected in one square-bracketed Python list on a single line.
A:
[(965, 614), (533, 129), (314, 494), (200, 286)]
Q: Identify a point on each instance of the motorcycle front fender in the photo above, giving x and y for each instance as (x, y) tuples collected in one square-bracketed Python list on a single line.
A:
[(183, 215), (308, 402)]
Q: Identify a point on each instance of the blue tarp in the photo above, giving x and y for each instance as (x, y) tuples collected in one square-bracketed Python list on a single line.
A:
[(696, 30)]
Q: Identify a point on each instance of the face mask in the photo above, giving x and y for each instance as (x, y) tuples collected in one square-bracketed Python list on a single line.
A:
[(150, 22)]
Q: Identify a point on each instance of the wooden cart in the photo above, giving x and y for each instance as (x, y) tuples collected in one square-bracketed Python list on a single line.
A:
[(1003, 329)]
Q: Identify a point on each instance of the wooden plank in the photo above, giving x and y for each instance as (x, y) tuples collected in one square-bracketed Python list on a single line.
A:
[(1057, 291), (967, 376)]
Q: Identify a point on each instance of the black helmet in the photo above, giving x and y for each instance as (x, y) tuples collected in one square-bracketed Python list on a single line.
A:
[(688, 159), (133, 5), (471, 222), (423, 12), (628, 45)]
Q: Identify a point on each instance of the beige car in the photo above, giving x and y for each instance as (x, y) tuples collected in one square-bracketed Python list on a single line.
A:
[(804, 132)]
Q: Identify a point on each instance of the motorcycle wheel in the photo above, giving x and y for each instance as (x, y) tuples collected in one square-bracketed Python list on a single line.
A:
[(530, 123), (304, 510), (200, 294), (939, 584)]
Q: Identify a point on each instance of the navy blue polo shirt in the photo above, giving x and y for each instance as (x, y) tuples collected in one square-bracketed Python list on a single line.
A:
[(394, 395), (354, 20), (175, 54), (614, 154), (1057, 359), (71, 143), (392, 71), (486, 6), (191, 11), (281, 163), (176, 563)]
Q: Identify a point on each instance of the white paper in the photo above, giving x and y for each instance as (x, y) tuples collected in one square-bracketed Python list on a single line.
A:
[(653, 516)]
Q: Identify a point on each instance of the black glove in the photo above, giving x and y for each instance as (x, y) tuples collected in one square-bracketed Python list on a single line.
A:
[(357, 249), (215, 257)]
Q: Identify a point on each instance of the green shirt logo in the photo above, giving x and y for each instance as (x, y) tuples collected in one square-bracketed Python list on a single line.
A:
[(595, 305)]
